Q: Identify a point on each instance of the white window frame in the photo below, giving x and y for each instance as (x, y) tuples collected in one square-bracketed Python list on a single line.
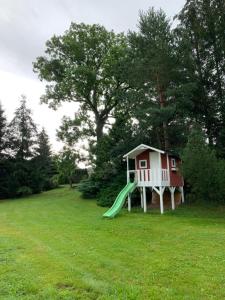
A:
[(173, 163), (140, 166)]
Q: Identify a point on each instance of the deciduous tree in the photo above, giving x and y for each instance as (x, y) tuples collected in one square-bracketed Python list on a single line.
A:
[(84, 66)]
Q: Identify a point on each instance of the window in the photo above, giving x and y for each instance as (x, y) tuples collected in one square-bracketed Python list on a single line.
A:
[(173, 162), (142, 164)]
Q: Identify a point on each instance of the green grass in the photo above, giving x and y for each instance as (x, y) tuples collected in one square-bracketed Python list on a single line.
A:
[(57, 246)]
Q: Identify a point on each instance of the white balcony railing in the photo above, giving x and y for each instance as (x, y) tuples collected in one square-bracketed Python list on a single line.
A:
[(148, 177)]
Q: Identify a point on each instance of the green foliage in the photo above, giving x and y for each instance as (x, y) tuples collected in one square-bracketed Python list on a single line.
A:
[(85, 65), (45, 165), (150, 86), (201, 24), (156, 67), (66, 162), (54, 183), (26, 164), (24, 191), (109, 192), (22, 133), (110, 172), (202, 170), (3, 133), (89, 188)]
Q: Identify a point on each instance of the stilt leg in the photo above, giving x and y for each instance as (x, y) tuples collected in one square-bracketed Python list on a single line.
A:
[(142, 203), (161, 190), (144, 198), (172, 190), (182, 194)]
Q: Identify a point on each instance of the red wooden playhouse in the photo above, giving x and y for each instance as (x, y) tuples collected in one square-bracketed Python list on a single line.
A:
[(154, 169)]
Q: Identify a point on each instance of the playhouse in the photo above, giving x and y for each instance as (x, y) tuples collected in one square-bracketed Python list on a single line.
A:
[(154, 169)]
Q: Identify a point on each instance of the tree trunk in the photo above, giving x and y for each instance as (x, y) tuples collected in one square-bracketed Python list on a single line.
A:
[(71, 181), (99, 127), (162, 101)]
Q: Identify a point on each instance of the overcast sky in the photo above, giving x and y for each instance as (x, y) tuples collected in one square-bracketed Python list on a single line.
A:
[(25, 26)]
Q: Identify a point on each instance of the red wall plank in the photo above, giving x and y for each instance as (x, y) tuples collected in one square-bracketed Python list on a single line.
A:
[(175, 176), (143, 156), (164, 161)]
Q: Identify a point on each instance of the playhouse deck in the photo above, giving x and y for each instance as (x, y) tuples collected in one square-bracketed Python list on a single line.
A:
[(150, 178)]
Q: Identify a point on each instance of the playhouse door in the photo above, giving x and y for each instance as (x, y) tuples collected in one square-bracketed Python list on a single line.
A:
[(154, 165)]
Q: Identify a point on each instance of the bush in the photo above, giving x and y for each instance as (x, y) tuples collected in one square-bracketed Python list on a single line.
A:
[(109, 192), (105, 190), (24, 191), (50, 183), (89, 188), (203, 171), (55, 181)]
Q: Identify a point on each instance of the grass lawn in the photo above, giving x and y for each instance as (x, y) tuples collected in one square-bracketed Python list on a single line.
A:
[(57, 246)]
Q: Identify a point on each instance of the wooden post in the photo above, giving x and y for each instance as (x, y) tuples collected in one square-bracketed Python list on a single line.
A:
[(172, 190), (161, 190), (129, 203), (128, 175), (182, 194), (168, 167), (142, 203), (144, 196)]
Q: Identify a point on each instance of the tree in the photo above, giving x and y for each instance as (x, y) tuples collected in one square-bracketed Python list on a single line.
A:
[(3, 132), (43, 148), (23, 133), (155, 64), (67, 164), (85, 66), (202, 23), (202, 170), (44, 160), (5, 166)]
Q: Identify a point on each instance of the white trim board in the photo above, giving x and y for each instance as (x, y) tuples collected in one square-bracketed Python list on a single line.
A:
[(141, 148)]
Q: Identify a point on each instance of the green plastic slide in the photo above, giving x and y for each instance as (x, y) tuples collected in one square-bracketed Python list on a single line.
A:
[(120, 199)]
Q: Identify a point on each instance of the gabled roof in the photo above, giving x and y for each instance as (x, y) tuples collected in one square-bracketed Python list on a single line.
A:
[(141, 148)]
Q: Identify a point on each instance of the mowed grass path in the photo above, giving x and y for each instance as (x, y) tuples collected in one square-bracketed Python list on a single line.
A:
[(57, 246)]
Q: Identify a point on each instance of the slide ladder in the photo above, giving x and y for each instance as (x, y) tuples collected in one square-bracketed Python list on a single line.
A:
[(120, 200)]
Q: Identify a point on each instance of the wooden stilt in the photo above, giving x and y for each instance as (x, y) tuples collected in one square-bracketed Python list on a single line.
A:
[(161, 190), (144, 198), (182, 194), (142, 203), (172, 190), (128, 174)]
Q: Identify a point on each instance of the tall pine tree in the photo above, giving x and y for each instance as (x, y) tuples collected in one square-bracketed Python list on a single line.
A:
[(203, 23), (23, 132), (44, 160), (23, 140), (156, 69)]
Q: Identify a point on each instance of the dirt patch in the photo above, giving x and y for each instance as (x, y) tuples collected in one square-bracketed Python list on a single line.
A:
[(155, 202)]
